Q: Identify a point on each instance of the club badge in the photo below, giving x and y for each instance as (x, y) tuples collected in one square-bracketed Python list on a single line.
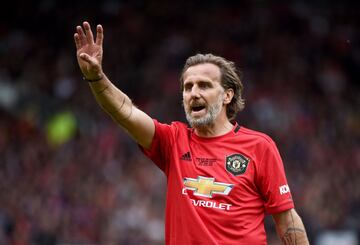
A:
[(236, 164)]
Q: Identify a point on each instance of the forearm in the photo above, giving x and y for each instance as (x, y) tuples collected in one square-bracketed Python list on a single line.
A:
[(117, 104), (290, 228)]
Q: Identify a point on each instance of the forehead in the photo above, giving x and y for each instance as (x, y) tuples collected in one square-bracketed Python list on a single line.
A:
[(202, 71)]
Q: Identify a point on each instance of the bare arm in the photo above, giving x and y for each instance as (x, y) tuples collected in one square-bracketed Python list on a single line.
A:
[(117, 104), (290, 228)]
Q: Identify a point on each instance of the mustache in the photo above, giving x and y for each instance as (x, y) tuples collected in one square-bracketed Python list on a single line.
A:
[(193, 104)]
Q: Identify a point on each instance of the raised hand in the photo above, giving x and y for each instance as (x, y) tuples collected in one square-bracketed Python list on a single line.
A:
[(89, 53)]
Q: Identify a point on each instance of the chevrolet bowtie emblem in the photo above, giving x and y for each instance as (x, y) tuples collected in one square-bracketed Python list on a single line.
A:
[(206, 187)]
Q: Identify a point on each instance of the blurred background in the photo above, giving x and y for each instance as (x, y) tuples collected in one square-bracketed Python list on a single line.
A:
[(69, 175)]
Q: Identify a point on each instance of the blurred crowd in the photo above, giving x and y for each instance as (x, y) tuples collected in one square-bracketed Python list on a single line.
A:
[(69, 175)]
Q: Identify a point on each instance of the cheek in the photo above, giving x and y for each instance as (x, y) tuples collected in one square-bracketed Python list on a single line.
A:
[(186, 98), (184, 102)]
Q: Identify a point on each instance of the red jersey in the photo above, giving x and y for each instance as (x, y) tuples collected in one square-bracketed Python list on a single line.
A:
[(219, 188)]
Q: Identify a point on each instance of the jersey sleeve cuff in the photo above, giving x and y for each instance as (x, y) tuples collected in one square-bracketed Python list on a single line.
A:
[(281, 208)]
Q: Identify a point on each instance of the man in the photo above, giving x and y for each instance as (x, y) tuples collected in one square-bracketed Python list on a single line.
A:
[(222, 178)]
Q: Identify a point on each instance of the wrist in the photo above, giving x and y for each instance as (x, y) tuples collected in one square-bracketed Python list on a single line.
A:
[(96, 79)]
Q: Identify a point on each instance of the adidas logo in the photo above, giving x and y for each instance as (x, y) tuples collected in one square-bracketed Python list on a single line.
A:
[(186, 156)]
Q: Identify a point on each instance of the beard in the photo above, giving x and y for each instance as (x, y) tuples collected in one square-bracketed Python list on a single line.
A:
[(212, 113)]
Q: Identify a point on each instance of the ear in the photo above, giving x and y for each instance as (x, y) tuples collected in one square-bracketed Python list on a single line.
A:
[(228, 95)]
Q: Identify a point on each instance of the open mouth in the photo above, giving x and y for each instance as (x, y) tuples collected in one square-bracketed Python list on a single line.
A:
[(197, 108)]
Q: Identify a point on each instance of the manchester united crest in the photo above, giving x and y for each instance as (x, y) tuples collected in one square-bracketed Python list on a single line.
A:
[(236, 164)]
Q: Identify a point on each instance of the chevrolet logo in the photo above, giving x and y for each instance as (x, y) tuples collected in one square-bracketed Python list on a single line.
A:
[(206, 187)]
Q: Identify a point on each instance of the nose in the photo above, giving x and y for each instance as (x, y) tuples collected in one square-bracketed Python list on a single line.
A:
[(195, 92)]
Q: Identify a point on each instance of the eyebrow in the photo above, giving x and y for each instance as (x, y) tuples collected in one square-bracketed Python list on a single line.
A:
[(199, 80)]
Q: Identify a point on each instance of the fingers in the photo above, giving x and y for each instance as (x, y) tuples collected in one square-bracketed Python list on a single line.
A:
[(99, 35), (81, 35), (88, 32), (77, 41), (86, 37)]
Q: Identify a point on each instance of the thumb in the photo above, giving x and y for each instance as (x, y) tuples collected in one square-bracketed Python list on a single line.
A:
[(88, 59)]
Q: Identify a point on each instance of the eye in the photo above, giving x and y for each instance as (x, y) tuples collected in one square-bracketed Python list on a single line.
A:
[(204, 85), (187, 86)]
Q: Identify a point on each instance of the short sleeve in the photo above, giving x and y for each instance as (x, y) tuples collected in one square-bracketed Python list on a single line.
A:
[(161, 145), (271, 180)]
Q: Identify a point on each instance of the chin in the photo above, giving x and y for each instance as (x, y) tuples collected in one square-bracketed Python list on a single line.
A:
[(199, 122)]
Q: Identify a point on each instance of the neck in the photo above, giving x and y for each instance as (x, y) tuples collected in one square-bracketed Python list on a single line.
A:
[(215, 129)]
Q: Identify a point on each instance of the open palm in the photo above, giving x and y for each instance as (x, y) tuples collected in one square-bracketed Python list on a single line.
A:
[(89, 53)]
